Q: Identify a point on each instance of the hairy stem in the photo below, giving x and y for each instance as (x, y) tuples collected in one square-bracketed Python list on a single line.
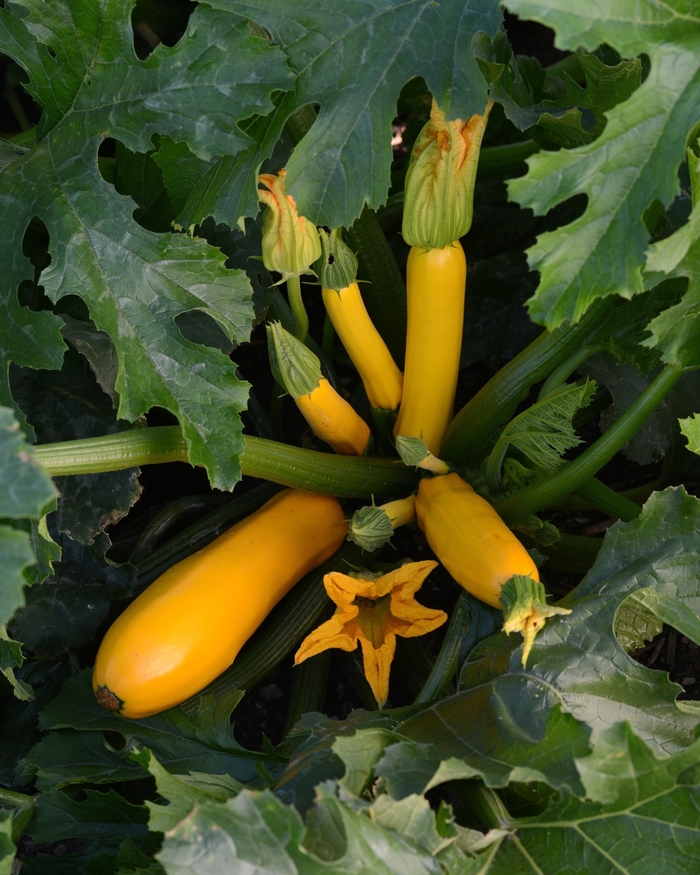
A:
[(343, 476), (298, 309)]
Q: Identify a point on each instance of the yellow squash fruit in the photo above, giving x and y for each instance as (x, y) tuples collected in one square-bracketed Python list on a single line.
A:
[(189, 625), (469, 537), (381, 377), (333, 420), (435, 286)]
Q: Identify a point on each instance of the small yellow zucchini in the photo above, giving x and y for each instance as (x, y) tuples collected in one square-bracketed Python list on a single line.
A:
[(189, 625), (435, 286), (333, 420), (381, 377), (469, 537)]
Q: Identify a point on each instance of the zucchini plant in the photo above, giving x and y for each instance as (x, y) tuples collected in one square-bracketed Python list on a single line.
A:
[(161, 338)]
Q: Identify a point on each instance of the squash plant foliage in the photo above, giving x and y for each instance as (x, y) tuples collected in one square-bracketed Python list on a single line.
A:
[(130, 289)]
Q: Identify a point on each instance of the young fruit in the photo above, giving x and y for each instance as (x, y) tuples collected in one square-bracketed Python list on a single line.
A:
[(189, 625), (435, 284), (469, 537)]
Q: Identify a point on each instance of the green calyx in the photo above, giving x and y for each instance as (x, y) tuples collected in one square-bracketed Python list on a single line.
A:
[(337, 266), (414, 453), (370, 528), (525, 609), (293, 365)]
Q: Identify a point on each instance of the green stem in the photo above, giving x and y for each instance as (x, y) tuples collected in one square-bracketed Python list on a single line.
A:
[(298, 309), (309, 683), (571, 477), (16, 800), (495, 403), (445, 665), (343, 476), (487, 805), (608, 501), (171, 515), (494, 464), (561, 374)]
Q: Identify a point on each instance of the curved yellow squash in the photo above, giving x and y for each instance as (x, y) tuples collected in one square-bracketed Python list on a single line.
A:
[(189, 625), (380, 376), (435, 287), (469, 537), (333, 420)]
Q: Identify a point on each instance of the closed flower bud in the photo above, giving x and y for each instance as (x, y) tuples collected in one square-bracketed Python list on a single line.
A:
[(290, 243), (440, 180)]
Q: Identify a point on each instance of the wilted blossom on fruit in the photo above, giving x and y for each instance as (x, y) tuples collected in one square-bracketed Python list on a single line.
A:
[(439, 192), (290, 242), (373, 609)]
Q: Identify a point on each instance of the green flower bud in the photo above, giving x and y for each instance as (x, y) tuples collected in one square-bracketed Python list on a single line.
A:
[(290, 243), (439, 192), (293, 365)]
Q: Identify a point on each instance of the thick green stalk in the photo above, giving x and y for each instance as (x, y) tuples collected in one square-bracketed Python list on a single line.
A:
[(604, 498), (495, 403), (343, 476), (573, 476), (445, 665), (309, 683), (298, 309), (562, 373)]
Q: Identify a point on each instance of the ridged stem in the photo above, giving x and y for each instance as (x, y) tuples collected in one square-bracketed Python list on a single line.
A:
[(495, 403), (298, 309), (309, 683), (562, 373), (608, 501), (445, 665), (343, 476), (573, 476)]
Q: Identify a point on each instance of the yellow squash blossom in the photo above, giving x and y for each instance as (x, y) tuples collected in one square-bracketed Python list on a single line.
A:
[(374, 609)]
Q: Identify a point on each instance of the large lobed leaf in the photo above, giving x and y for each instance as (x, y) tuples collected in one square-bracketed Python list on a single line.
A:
[(353, 60), (634, 161), (85, 74)]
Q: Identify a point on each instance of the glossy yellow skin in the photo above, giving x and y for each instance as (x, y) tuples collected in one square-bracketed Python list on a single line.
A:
[(380, 376), (189, 625), (333, 420), (435, 286), (469, 537)]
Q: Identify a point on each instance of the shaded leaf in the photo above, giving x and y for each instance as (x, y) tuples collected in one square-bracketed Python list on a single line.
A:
[(348, 63), (690, 428), (633, 162)]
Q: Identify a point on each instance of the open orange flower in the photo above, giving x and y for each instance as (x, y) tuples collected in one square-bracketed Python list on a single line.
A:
[(374, 609)]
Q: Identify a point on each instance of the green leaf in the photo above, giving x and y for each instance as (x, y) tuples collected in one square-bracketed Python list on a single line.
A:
[(578, 663), (75, 751), (576, 115), (690, 428), (100, 822), (635, 625), (135, 282), (11, 658), (675, 332), (256, 832), (69, 405), (543, 432), (25, 491), (353, 63), (633, 162), (183, 793), (7, 846), (63, 612)]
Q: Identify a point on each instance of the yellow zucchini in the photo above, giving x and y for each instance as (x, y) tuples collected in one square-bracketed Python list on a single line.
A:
[(190, 624)]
